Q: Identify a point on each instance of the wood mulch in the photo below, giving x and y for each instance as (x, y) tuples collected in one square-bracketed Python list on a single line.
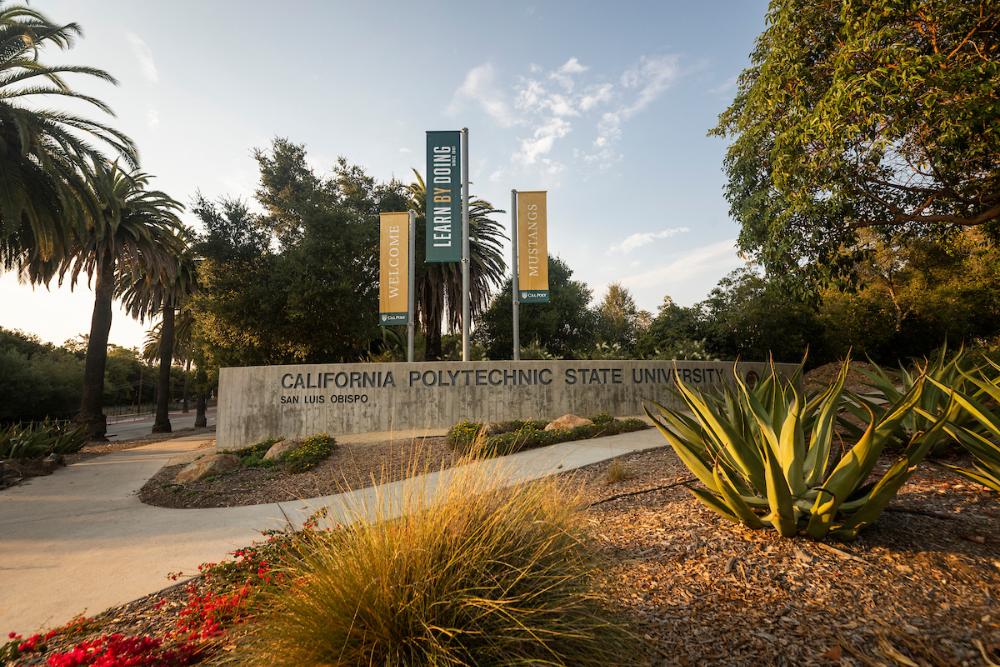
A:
[(349, 467), (924, 582), (921, 587)]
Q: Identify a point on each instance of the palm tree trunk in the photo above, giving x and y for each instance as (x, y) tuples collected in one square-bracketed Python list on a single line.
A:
[(201, 401), (184, 390), (91, 414), (162, 422)]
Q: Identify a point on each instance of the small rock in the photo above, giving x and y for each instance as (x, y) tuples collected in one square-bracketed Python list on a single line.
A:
[(568, 422), (206, 466), (281, 448)]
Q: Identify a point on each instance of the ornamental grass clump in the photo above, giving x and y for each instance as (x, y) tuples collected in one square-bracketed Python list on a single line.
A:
[(457, 571), (764, 454)]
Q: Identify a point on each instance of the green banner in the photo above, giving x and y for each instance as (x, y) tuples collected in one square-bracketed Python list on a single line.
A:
[(444, 197), (389, 319), (533, 296)]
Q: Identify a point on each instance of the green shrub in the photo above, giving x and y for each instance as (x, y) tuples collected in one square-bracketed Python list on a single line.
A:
[(602, 418), (463, 434), (764, 454), (312, 451), (253, 456), (466, 573), (515, 436), (37, 440)]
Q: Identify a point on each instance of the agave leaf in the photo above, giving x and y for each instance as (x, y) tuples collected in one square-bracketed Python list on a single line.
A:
[(779, 498), (821, 441), (713, 503), (791, 449), (723, 433), (888, 486), (734, 501), (690, 457), (982, 414), (981, 475)]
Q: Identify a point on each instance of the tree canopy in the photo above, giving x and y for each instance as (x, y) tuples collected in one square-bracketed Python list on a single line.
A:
[(855, 115)]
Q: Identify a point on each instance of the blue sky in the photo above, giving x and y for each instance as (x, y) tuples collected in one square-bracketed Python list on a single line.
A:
[(606, 105)]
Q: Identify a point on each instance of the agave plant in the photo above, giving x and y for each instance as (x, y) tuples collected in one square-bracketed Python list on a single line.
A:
[(763, 454), (983, 440), (888, 387), (35, 441)]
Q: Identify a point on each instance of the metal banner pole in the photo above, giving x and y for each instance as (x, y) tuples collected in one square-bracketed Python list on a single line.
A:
[(465, 244), (411, 325), (516, 303)]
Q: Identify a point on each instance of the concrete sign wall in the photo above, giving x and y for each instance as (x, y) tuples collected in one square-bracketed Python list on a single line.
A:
[(258, 402)]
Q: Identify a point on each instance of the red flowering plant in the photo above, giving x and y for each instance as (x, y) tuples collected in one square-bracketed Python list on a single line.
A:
[(225, 594)]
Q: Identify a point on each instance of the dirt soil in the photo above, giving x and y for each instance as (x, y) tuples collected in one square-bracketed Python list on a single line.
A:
[(349, 467), (924, 582), (918, 588), (823, 376)]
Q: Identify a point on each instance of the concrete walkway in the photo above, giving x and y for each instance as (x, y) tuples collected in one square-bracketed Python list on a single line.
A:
[(80, 539)]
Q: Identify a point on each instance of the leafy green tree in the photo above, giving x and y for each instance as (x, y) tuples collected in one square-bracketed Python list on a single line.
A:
[(136, 233), (618, 319), (748, 316), (438, 290), (565, 327), (674, 327), (45, 153), (854, 115)]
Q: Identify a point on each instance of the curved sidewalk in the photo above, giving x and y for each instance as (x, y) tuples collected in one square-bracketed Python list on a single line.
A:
[(80, 539)]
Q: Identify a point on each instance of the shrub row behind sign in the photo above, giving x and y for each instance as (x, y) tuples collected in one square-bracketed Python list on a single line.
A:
[(503, 438)]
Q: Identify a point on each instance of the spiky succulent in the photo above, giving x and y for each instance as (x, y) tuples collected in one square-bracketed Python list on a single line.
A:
[(764, 454), (982, 440)]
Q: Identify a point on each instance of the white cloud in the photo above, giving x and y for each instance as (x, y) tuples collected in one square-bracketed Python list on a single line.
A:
[(152, 118), (564, 74), (640, 239), (144, 55), (480, 87), (645, 82), (542, 140), (547, 105), (714, 259)]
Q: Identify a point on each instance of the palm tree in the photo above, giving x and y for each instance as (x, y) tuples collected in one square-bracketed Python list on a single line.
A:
[(438, 289), (136, 234), (163, 287), (45, 154), (183, 348)]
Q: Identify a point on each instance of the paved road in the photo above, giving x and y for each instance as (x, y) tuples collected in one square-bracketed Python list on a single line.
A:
[(134, 430), (81, 540)]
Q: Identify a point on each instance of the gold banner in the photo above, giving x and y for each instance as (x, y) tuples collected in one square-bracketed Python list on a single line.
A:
[(532, 247), (394, 269)]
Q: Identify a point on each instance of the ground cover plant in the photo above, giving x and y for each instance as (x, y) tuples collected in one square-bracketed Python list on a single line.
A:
[(308, 454), (764, 454), (510, 437)]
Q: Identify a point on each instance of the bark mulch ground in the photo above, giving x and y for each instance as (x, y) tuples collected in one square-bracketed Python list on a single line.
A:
[(349, 467), (924, 582), (919, 588)]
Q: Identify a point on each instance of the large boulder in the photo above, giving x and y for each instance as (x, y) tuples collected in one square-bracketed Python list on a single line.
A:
[(207, 466), (567, 422), (280, 448)]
